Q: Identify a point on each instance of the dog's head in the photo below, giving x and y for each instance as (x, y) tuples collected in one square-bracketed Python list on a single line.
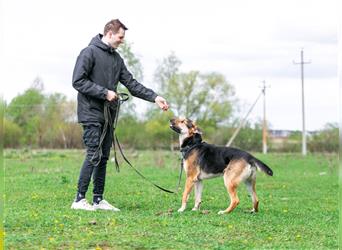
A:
[(184, 126)]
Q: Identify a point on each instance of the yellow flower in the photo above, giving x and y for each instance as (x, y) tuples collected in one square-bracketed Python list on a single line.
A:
[(112, 222)]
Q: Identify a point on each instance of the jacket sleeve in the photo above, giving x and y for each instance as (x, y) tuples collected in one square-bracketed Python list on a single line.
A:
[(80, 77), (134, 87)]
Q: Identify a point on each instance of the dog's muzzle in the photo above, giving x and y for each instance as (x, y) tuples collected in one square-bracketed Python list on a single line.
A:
[(176, 129)]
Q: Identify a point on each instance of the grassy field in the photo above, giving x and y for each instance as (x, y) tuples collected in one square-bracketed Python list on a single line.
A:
[(298, 206)]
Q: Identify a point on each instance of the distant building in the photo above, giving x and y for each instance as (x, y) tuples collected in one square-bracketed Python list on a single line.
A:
[(287, 140), (280, 133)]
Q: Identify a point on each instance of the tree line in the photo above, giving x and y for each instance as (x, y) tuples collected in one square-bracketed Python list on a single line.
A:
[(39, 120)]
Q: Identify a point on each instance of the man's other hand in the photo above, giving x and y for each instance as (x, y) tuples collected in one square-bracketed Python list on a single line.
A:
[(111, 95)]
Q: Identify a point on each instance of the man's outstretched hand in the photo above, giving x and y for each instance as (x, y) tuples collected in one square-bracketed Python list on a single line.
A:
[(161, 102)]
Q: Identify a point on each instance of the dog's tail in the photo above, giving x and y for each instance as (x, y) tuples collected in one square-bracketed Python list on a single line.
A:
[(262, 166)]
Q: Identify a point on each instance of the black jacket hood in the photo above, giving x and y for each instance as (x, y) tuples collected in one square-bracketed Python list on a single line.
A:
[(96, 41)]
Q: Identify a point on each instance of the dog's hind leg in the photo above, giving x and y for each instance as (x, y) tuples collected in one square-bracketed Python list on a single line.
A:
[(198, 194), (232, 179), (250, 184), (188, 187), (234, 199)]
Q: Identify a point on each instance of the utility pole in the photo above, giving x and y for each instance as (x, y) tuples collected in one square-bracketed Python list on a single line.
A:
[(264, 127), (303, 108)]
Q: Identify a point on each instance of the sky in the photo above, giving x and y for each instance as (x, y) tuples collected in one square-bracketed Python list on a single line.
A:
[(247, 41)]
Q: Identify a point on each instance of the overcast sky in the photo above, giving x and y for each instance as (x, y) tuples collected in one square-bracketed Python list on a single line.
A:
[(247, 41)]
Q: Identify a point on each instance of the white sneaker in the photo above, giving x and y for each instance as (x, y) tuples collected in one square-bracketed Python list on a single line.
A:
[(82, 204), (104, 205)]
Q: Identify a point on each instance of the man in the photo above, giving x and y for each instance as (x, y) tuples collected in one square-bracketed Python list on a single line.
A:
[(97, 72)]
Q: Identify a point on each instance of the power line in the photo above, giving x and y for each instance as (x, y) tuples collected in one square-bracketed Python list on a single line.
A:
[(243, 121)]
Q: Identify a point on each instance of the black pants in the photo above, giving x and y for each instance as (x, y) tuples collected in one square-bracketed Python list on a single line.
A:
[(95, 162)]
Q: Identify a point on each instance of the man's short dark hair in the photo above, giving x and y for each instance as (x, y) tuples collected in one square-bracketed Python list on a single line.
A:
[(114, 25)]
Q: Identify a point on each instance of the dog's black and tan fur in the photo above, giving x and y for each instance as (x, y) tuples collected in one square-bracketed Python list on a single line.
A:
[(203, 161)]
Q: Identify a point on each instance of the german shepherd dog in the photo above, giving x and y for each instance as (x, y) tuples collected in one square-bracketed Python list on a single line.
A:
[(203, 161)]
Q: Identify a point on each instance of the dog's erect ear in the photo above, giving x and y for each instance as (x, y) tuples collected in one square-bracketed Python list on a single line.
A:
[(193, 127), (197, 130), (189, 123)]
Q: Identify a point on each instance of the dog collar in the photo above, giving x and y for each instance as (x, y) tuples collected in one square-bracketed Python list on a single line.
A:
[(187, 149)]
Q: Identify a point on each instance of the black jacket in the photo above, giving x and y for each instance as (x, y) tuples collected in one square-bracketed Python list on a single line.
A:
[(100, 68)]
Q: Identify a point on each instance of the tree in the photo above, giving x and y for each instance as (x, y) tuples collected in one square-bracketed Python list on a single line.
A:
[(203, 97), (26, 110), (325, 140), (55, 117), (167, 70), (157, 130), (132, 61), (38, 84), (2, 110), (12, 134), (41, 120), (134, 66)]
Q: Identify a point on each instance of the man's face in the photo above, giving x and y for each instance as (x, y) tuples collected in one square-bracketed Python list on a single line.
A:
[(117, 38)]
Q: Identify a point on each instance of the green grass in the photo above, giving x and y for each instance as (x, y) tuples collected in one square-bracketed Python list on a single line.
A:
[(298, 206)]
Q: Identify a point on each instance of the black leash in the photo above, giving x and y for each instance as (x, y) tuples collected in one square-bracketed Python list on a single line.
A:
[(112, 125), (180, 174)]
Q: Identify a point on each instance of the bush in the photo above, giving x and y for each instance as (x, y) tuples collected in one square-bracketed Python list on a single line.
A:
[(325, 140), (12, 134)]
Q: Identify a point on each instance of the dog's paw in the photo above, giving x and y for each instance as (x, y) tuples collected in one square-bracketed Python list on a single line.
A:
[(253, 211), (195, 209), (181, 210), (221, 212), (249, 212)]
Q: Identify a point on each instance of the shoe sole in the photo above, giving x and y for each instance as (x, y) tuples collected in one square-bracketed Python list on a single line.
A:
[(77, 208), (114, 210)]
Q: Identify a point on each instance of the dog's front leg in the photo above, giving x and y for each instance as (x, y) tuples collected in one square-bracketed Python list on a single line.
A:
[(198, 195), (188, 187)]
